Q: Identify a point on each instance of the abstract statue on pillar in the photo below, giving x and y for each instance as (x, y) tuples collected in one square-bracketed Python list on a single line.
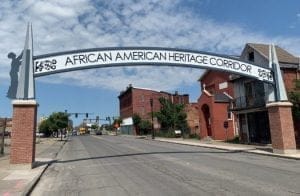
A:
[(15, 66), (278, 91), (22, 84)]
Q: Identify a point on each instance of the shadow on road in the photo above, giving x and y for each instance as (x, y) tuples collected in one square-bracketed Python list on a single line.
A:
[(150, 153)]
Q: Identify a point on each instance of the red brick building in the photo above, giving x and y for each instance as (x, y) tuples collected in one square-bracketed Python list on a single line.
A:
[(7, 123), (214, 106), (137, 101), (247, 98), (193, 118), (251, 95)]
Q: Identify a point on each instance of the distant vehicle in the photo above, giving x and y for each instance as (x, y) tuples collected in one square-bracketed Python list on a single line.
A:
[(38, 134), (104, 126), (74, 132), (177, 133), (82, 130), (98, 132)]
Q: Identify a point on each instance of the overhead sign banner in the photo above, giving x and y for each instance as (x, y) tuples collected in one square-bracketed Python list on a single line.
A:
[(85, 59)]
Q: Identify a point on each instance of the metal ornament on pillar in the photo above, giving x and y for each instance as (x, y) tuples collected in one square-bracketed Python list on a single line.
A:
[(278, 92), (26, 87), (24, 105)]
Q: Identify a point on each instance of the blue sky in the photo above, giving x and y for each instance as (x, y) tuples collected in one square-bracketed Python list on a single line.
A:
[(207, 25)]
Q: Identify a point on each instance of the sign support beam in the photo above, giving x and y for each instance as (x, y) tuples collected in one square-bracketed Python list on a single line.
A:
[(26, 88)]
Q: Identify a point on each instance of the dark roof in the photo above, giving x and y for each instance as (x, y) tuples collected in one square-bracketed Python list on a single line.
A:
[(284, 57), (221, 98)]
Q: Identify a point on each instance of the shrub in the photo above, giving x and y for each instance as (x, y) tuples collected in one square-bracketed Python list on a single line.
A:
[(166, 133), (235, 140)]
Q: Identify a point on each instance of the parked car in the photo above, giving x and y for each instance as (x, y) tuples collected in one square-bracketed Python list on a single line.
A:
[(98, 132), (74, 132), (177, 133), (38, 134)]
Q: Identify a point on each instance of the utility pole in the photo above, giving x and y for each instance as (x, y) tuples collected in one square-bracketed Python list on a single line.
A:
[(153, 132), (109, 120)]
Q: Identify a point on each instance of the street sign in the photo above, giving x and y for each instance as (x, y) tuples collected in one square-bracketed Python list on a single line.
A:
[(125, 56)]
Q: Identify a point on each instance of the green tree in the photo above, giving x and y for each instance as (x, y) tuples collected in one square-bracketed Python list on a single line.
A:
[(57, 121), (145, 126), (94, 127), (136, 121), (172, 116), (297, 85), (294, 97), (44, 127), (117, 122)]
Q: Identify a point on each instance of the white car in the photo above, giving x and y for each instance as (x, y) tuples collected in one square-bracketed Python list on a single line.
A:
[(38, 134)]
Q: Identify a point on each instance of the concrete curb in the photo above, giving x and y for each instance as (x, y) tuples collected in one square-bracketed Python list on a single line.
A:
[(29, 188), (237, 150)]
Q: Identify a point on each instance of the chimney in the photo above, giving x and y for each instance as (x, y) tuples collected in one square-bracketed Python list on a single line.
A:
[(129, 86)]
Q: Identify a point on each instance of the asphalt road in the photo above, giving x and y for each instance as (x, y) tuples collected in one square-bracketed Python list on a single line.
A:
[(119, 165)]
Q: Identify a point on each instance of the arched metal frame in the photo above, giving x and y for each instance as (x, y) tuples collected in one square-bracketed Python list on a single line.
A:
[(35, 66), (53, 63)]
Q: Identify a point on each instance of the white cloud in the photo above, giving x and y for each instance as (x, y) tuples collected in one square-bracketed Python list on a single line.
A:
[(76, 24), (46, 8), (159, 78)]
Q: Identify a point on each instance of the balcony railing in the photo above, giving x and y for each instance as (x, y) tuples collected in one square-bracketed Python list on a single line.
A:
[(248, 102)]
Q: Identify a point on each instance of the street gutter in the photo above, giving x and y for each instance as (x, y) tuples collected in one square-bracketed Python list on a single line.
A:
[(29, 188), (249, 150)]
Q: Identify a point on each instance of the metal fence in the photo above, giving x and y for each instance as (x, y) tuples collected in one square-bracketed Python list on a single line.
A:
[(248, 102)]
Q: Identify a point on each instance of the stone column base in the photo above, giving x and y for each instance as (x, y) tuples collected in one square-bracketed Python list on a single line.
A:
[(281, 127), (22, 150), (289, 151)]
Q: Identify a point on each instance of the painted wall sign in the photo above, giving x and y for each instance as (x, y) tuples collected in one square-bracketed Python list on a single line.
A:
[(108, 57)]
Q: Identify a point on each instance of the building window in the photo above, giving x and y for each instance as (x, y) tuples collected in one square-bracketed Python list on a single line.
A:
[(223, 85), (142, 110), (229, 113), (142, 98), (251, 56), (254, 94)]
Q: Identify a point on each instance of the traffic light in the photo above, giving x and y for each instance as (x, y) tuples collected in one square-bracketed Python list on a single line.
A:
[(86, 115), (76, 115)]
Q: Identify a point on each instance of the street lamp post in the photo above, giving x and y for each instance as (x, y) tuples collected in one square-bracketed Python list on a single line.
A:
[(151, 104)]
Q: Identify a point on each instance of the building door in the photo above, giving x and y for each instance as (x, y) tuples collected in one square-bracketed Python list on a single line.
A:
[(243, 132), (206, 114), (258, 126)]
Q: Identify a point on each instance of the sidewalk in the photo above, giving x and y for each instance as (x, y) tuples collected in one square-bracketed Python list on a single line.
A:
[(15, 180), (256, 149)]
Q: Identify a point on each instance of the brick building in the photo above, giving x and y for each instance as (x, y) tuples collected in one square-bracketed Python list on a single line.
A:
[(137, 101), (245, 97), (7, 123), (193, 120), (251, 95), (214, 105)]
